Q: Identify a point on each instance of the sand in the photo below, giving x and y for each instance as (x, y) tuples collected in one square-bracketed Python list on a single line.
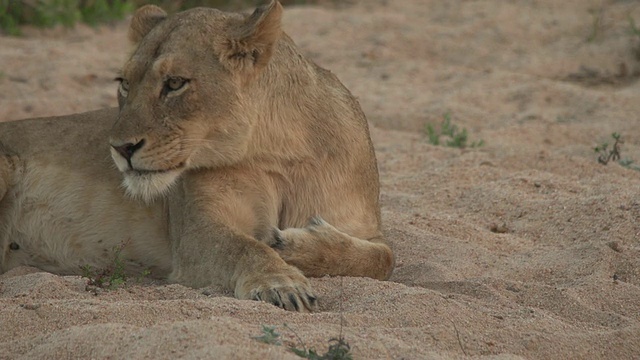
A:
[(523, 248)]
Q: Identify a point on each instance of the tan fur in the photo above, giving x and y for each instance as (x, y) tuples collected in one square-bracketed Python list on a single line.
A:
[(248, 166)]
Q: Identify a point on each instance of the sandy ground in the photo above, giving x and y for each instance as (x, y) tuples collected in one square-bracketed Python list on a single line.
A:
[(523, 248)]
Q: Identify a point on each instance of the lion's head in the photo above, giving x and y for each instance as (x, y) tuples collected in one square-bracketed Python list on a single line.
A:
[(181, 98)]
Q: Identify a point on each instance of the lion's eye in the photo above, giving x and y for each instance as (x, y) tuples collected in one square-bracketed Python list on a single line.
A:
[(124, 87), (175, 83)]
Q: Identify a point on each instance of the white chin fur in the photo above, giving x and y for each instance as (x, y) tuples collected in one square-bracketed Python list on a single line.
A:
[(148, 187)]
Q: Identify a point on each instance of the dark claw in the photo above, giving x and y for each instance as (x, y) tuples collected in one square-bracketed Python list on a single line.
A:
[(293, 300), (277, 301), (309, 302), (312, 300), (278, 240)]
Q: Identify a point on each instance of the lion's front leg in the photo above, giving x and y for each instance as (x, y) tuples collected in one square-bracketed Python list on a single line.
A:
[(212, 230), (251, 269)]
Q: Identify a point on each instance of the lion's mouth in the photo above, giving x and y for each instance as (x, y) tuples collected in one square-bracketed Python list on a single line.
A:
[(148, 184), (146, 172)]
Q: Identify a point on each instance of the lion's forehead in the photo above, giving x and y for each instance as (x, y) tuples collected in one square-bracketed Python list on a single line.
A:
[(167, 54), (170, 64), (187, 30)]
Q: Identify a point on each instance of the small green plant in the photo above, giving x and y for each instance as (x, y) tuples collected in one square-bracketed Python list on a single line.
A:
[(269, 336), (454, 137), (339, 349), (605, 154), (143, 275), (112, 276)]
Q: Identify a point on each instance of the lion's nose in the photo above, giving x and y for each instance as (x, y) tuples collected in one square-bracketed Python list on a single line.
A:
[(127, 150)]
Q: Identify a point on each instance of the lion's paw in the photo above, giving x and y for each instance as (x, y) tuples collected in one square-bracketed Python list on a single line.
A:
[(287, 289), (285, 240)]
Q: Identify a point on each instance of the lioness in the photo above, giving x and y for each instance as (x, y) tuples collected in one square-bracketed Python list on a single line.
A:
[(245, 164)]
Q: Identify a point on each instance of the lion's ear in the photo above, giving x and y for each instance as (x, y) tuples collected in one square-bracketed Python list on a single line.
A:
[(145, 19), (251, 44)]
